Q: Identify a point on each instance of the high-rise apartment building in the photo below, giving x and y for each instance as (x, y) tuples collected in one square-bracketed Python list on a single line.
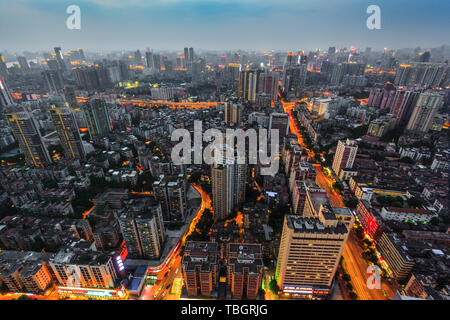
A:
[(200, 267), (141, 222), (280, 122), (23, 63), (423, 73), (248, 84), (26, 133), (5, 95), (402, 105), (3, 67), (97, 117), (228, 185), (233, 113), (171, 192), (424, 111), (345, 155), (53, 80), (310, 251), (68, 132), (245, 270), (93, 269), (60, 59)]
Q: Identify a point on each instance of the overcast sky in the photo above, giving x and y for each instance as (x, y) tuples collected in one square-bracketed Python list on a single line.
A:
[(222, 24)]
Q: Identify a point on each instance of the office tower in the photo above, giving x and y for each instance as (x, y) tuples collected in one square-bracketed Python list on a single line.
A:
[(79, 268), (23, 63), (26, 133), (191, 58), (424, 111), (233, 113), (245, 270), (60, 59), (280, 122), (228, 185), (5, 95), (402, 105), (71, 98), (310, 250), (53, 80), (68, 132), (97, 117), (345, 155), (141, 222), (3, 67), (171, 192), (248, 81), (200, 268)]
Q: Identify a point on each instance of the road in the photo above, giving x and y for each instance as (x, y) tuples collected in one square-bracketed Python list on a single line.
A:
[(356, 267), (355, 264), (171, 267), (327, 183)]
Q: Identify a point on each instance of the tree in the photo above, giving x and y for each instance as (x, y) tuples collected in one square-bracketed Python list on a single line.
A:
[(414, 202), (351, 203), (273, 286), (346, 277), (353, 295)]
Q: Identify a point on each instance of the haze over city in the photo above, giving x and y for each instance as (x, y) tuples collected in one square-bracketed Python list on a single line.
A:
[(223, 24)]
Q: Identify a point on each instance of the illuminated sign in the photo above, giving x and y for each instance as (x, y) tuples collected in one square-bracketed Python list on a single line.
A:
[(99, 293)]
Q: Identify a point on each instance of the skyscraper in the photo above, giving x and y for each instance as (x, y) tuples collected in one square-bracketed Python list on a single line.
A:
[(245, 270), (200, 267), (97, 117), (424, 111), (142, 228), (26, 133), (345, 155), (68, 132), (228, 185), (310, 251), (5, 95)]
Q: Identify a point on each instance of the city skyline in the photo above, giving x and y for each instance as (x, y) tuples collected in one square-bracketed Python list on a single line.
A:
[(219, 25)]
